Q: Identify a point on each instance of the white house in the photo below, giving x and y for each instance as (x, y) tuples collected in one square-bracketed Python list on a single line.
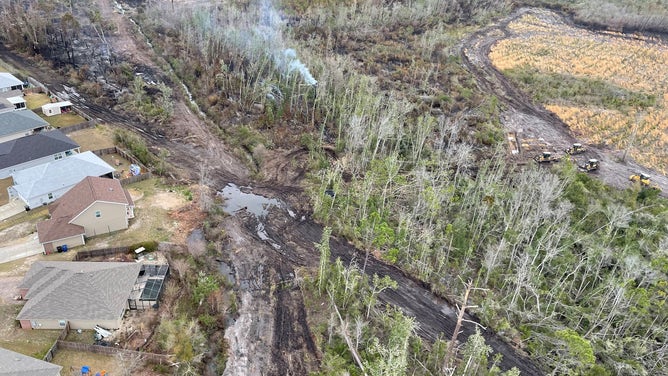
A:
[(34, 150), (44, 183)]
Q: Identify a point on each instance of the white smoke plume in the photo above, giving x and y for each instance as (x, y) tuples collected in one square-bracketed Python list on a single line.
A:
[(269, 28)]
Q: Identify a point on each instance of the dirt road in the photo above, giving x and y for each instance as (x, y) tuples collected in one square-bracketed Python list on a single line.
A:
[(524, 115), (270, 334)]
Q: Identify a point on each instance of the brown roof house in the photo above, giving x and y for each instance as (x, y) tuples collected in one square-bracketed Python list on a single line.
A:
[(84, 294), (93, 207), (15, 364)]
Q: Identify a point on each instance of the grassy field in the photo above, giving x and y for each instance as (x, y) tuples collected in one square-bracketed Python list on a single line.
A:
[(611, 90), (36, 100), (99, 137), (63, 120)]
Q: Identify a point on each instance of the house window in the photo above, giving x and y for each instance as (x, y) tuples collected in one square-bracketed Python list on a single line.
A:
[(68, 153), (62, 323), (98, 214), (58, 156), (50, 196)]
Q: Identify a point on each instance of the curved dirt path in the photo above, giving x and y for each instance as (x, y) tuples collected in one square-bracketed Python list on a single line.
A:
[(532, 118), (270, 335)]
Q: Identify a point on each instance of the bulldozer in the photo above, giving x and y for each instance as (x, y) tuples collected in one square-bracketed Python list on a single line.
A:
[(546, 157), (641, 177), (590, 166), (577, 148)]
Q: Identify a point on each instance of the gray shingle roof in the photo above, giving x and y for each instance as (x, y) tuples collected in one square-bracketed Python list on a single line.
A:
[(49, 177), (20, 121), (78, 290), (15, 364), (29, 148)]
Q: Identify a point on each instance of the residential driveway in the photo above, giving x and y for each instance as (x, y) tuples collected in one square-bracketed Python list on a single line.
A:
[(20, 248), (14, 207)]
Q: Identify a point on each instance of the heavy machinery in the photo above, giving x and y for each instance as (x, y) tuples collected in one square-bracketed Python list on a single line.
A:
[(546, 157), (577, 148), (641, 177), (590, 166)]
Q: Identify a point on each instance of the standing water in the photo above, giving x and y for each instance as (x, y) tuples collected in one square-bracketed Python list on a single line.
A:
[(242, 199)]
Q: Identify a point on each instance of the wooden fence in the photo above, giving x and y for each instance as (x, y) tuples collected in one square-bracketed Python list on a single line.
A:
[(132, 179), (52, 351), (38, 84), (80, 126), (83, 255), (109, 350)]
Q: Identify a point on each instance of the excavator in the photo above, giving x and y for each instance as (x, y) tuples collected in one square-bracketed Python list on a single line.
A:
[(546, 157), (577, 148), (644, 180), (590, 166)]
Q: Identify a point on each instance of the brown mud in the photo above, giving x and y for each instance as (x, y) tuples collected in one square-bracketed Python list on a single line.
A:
[(271, 334)]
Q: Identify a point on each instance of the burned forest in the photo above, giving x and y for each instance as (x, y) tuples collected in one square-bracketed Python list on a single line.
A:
[(422, 187)]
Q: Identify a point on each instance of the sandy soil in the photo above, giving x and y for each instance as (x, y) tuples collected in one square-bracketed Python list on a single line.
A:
[(524, 115)]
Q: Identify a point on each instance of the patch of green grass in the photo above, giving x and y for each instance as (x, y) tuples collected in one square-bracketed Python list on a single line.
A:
[(581, 91), (63, 120)]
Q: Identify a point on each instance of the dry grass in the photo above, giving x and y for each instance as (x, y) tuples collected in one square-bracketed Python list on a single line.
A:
[(636, 65), (98, 137), (28, 342), (153, 203), (36, 100), (4, 184), (72, 361), (21, 266)]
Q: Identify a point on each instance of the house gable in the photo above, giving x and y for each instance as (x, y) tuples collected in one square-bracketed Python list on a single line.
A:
[(102, 217)]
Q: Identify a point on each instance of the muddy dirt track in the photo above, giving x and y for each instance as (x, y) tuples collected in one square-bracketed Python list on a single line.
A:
[(532, 119), (271, 335)]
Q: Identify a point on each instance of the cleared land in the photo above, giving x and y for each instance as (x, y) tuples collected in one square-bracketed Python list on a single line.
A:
[(610, 89)]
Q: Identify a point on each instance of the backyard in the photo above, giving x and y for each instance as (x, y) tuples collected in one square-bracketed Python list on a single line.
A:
[(34, 101)]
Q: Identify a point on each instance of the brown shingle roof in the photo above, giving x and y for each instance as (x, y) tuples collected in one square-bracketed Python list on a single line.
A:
[(56, 229), (85, 193), (76, 200)]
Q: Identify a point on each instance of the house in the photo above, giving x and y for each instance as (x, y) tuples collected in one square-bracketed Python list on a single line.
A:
[(44, 183), (85, 294), (8, 82), (16, 364), (51, 109), (12, 101), (33, 150), (94, 206), (17, 124)]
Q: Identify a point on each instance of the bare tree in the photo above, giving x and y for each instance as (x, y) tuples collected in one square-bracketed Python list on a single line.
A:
[(450, 353)]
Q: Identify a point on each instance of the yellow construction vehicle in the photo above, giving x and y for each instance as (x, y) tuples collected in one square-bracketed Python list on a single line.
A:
[(577, 148), (643, 178), (546, 157), (590, 166)]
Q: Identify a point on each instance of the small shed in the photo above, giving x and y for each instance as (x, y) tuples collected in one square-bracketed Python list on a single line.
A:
[(51, 109)]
